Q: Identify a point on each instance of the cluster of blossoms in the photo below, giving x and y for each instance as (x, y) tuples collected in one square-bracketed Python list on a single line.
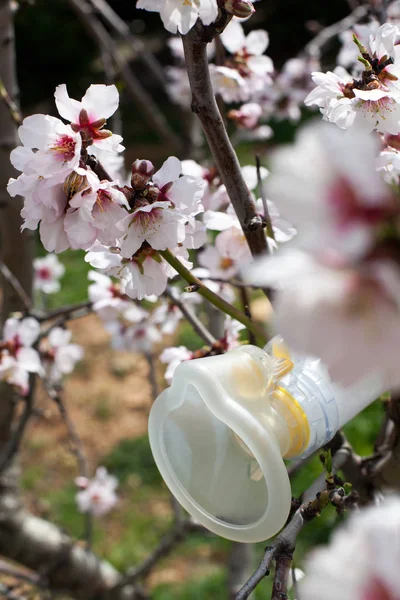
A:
[(371, 99), (97, 496), (247, 77), (122, 227), (23, 351)]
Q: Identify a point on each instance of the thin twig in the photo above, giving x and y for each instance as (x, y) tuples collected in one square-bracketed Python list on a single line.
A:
[(13, 281), (154, 117), (76, 448), (216, 300), (65, 311), (261, 190), (122, 30), (226, 160), (286, 540), (74, 439), (191, 317), (14, 443), (244, 295), (15, 113), (152, 375), (175, 536), (315, 46)]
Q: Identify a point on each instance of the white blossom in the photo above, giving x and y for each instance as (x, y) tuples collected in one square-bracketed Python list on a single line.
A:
[(17, 357), (109, 302), (361, 561), (373, 100), (229, 83), (181, 15), (140, 337), (230, 252), (249, 49), (348, 317), (90, 114), (60, 356), (161, 222), (173, 357), (97, 495), (51, 149), (47, 272), (327, 184)]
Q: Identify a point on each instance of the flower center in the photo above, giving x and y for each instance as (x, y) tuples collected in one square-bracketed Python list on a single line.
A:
[(226, 263), (64, 149), (44, 273)]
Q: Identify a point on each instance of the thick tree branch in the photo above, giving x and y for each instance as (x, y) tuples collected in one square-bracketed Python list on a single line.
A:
[(205, 106)]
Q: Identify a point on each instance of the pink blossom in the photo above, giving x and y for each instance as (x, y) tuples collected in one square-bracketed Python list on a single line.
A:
[(59, 355), (140, 337), (247, 116), (173, 357), (17, 357), (167, 204), (230, 252), (47, 272), (109, 302), (89, 116), (50, 148), (97, 495), (348, 317), (327, 184)]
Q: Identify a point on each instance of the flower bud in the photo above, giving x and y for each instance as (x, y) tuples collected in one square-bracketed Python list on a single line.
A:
[(239, 8), (152, 194), (142, 172)]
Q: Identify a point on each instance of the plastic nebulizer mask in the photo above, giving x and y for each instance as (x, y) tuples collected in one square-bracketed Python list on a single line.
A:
[(220, 433)]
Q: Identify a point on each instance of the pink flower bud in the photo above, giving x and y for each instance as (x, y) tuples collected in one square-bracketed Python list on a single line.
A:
[(239, 8), (142, 172)]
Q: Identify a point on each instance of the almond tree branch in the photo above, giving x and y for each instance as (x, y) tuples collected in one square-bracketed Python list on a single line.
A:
[(13, 281), (191, 318), (226, 160), (177, 534), (12, 446), (216, 300), (13, 108), (283, 561), (313, 502), (76, 448)]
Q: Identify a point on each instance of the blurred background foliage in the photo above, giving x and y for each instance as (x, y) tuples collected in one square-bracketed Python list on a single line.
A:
[(52, 48)]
